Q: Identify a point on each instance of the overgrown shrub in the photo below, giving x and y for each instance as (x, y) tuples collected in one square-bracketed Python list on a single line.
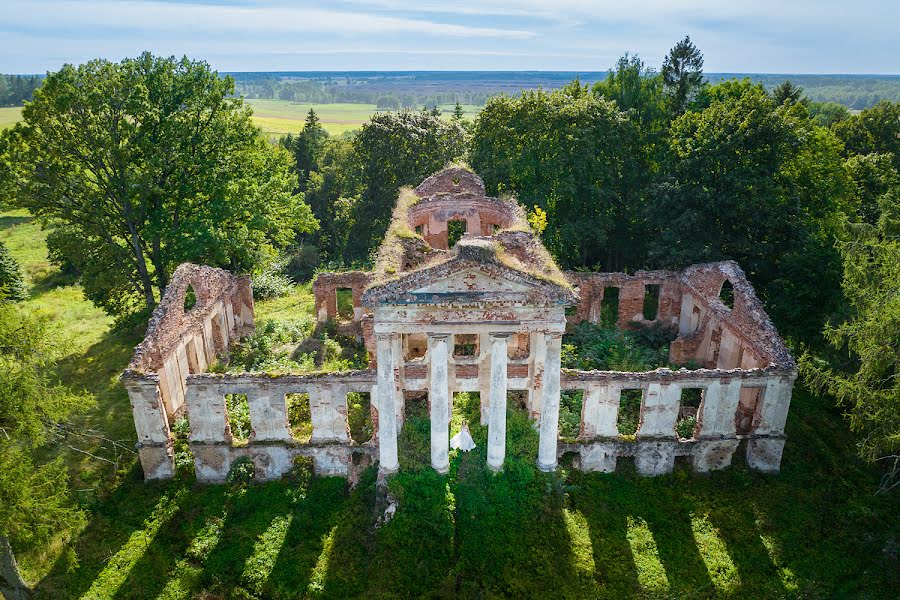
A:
[(238, 409), (242, 472), (271, 284), (590, 347)]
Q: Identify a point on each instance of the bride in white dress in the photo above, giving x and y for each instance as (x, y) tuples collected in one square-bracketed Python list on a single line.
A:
[(463, 440)]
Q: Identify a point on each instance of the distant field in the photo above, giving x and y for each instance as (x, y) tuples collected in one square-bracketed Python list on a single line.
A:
[(9, 116), (279, 117)]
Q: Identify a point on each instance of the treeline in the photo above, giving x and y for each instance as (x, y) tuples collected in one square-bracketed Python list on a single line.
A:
[(251, 85), (394, 91), (15, 90)]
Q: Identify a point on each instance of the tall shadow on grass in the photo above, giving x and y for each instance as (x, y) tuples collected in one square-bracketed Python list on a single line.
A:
[(353, 542), (150, 573), (511, 533), (114, 519), (606, 501), (313, 515)]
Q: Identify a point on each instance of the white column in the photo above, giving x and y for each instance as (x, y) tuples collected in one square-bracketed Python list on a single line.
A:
[(550, 404), (497, 412), (439, 394), (387, 413)]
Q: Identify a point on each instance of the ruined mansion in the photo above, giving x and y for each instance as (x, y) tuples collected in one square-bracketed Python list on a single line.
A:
[(482, 313)]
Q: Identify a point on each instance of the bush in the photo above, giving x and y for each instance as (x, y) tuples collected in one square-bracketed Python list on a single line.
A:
[(590, 347), (271, 284)]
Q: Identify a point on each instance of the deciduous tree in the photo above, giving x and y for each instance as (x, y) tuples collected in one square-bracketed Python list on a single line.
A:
[(393, 150), (145, 164), (574, 155)]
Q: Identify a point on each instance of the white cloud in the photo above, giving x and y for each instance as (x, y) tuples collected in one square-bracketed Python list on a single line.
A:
[(233, 20)]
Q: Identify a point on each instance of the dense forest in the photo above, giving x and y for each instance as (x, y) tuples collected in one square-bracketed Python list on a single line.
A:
[(132, 168)]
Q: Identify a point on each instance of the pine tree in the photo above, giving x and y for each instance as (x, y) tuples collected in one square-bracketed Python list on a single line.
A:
[(458, 111), (11, 282), (682, 73)]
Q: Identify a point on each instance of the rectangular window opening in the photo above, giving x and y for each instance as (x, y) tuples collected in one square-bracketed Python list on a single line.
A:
[(299, 416), (651, 302), (344, 303), (237, 409), (688, 423), (609, 307), (747, 416), (455, 231), (570, 403), (465, 345), (415, 345), (359, 416), (420, 229), (629, 416)]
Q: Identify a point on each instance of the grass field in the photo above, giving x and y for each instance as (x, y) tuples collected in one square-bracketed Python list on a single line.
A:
[(9, 116), (280, 117), (814, 531)]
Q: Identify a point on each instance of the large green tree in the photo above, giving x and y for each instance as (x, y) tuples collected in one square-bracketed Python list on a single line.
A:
[(638, 91), (143, 164), (307, 146), (35, 503), (390, 151), (576, 156), (760, 184)]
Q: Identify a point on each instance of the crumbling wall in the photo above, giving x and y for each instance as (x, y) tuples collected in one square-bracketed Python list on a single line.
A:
[(714, 335), (632, 288), (656, 444), (181, 341), (271, 445), (429, 217), (325, 289)]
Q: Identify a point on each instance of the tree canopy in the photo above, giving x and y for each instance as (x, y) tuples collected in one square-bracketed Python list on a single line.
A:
[(143, 164)]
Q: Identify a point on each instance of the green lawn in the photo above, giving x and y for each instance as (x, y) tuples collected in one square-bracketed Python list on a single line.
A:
[(9, 116), (815, 531)]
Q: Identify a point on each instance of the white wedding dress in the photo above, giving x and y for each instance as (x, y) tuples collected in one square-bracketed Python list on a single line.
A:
[(463, 440)]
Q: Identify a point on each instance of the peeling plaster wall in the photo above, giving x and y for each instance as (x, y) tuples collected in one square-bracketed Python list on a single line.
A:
[(271, 446), (656, 443)]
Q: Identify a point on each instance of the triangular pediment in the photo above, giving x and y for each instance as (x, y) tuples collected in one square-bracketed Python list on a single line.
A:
[(474, 280), (466, 282)]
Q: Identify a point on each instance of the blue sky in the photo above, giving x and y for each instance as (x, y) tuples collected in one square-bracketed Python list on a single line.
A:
[(760, 36)]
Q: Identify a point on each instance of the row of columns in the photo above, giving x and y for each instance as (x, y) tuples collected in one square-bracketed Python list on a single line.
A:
[(389, 391)]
